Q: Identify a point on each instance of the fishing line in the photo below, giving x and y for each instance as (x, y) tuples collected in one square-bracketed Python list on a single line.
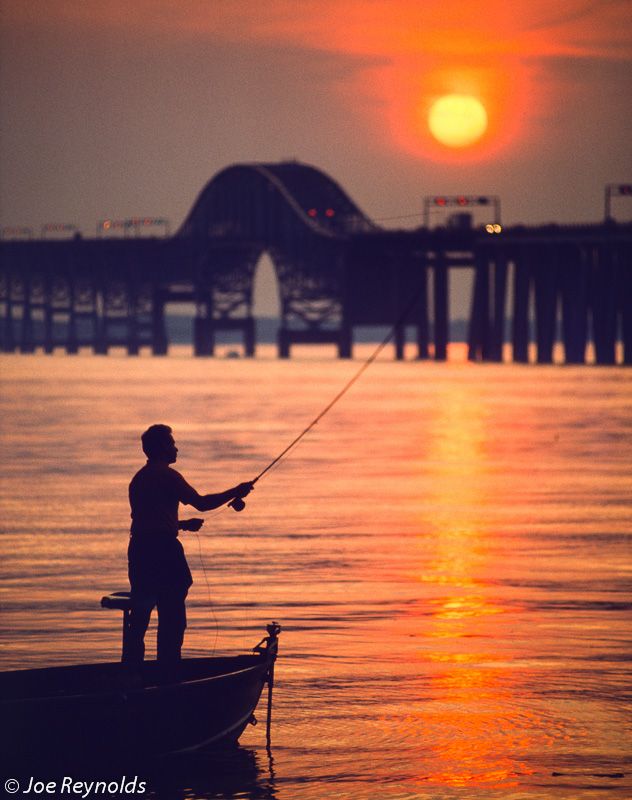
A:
[(208, 592), (238, 504), (208, 586)]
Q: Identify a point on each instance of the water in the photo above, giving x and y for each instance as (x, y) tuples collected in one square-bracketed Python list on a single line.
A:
[(448, 552)]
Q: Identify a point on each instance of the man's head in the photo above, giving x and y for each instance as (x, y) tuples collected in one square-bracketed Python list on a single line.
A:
[(159, 445)]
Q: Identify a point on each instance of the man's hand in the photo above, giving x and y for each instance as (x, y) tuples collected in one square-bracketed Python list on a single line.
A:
[(191, 524), (243, 489)]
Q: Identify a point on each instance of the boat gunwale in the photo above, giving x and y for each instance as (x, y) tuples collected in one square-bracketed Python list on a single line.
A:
[(132, 690)]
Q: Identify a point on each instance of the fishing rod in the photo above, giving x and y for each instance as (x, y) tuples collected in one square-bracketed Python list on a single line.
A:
[(238, 504)]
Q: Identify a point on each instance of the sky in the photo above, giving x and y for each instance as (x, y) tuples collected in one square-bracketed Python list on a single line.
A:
[(112, 108)]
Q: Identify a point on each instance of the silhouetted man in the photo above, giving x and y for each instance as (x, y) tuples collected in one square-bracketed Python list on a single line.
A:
[(158, 571)]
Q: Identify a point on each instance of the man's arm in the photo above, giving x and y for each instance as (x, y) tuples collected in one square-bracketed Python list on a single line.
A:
[(208, 502)]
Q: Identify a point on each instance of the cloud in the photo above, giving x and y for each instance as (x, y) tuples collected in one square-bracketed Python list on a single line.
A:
[(387, 28)]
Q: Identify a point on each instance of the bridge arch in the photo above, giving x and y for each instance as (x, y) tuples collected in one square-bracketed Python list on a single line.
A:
[(296, 214)]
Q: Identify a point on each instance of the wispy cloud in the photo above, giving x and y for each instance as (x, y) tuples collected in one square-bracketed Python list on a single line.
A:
[(387, 28)]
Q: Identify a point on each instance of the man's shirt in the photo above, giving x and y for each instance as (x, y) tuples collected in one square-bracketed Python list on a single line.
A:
[(154, 495)]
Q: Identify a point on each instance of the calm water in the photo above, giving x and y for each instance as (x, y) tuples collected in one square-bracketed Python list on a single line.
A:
[(448, 551)]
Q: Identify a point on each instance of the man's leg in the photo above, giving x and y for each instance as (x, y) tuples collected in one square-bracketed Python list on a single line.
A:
[(134, 642), (172, 623)]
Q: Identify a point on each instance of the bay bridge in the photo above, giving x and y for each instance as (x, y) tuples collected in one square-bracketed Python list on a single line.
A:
[(535, 287)]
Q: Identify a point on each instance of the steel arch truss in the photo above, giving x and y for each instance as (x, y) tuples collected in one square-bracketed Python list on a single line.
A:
[(295, 213)]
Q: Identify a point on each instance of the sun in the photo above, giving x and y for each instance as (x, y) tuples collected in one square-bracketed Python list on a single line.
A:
[(457, 120)]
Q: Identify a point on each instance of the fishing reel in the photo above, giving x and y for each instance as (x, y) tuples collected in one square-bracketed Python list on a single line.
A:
[(237, 503)]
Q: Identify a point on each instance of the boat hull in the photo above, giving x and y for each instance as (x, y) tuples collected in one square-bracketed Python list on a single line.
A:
[(107, 711)]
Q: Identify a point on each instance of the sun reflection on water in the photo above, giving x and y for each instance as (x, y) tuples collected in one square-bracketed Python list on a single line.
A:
[(475, 712)]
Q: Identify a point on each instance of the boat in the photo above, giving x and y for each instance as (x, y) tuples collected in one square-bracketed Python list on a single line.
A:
[(116, 711)]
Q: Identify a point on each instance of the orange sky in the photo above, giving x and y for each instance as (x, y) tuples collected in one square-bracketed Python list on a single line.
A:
[(391, 28), (133, 106)]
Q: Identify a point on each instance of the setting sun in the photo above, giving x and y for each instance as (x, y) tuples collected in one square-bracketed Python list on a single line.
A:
[(457, 120)]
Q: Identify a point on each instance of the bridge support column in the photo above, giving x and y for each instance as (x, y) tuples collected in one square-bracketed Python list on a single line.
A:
[(441, 308), (522, 291), (345, 341), (133, 339), (72, 340), (574, 290), (8, 334), (422, 319), (625, 300), (603, 302), (283, 341), (27, 341), (499, 297), (93, 316), (100, 343), (486, 336), (84, 315), (400, 341), (133, 328), (397, 267), (478, 334), (159, 341), (203, 327), (49, 341), (545, 304), (250, 337), (203, 336)]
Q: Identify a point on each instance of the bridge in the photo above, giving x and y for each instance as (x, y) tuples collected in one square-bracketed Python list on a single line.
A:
[(336, 270)]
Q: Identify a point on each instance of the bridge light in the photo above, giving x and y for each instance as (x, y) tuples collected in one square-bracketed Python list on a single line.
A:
[(58, 227), (489, 228), (312, 212), (461, 200), (12, 231), (330, 212), (107, 225), (497, 228)]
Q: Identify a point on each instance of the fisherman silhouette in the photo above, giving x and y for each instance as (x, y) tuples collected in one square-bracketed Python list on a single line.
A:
[(158, 571)]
